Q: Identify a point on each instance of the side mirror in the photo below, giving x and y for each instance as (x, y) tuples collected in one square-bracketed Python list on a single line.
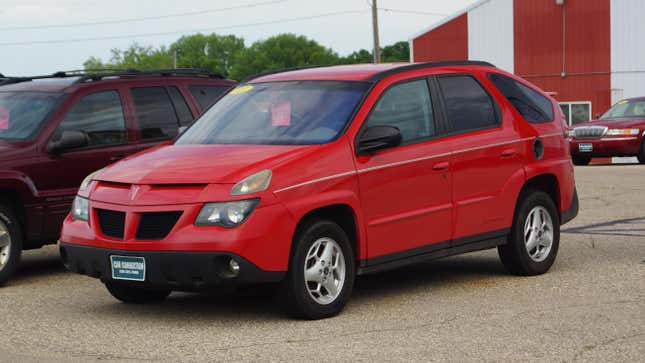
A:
[(379, 137), (68, 140)]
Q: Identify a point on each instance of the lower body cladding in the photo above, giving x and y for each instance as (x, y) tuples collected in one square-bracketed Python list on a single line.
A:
[(179, 271)]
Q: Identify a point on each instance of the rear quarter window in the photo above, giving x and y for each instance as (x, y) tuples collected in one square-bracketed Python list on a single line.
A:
[(533, 106), (468, 106)]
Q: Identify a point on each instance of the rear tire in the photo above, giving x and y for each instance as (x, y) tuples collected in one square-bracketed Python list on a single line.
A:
[(535, 236), (321, 272), (581, 160), (10, 242), (135, 295)]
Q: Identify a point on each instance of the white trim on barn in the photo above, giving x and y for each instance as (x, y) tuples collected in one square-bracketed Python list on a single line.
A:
[(448, 19), (491, 34)]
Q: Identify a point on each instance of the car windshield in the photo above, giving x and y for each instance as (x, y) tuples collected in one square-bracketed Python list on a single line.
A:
[(626, 109), (22, 113), (279, 113)]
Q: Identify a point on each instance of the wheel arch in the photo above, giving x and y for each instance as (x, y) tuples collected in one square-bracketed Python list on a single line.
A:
[(547, 183), (342, 214)]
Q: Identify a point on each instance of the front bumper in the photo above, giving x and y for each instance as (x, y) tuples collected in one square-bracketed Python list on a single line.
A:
[(608, 146), (180, 271)]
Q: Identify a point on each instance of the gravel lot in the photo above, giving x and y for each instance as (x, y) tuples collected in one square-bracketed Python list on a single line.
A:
[(589, 307)]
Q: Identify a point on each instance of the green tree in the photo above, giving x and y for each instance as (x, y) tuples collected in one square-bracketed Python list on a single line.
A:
[(360, 56), (281, 51), (397, 52), (135, 57), (217, 53)]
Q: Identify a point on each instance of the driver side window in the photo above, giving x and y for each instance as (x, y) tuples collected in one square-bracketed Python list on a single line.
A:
[(99, 116), (406, 106)]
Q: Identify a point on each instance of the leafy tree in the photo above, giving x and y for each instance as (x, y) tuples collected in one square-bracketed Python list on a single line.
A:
[(227, 54), (135, 57), (397, 52), (360, 56), (213, 52), (281, 51)]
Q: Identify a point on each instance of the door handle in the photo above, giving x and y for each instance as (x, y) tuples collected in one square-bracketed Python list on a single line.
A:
[(444, 165), (507, 153)]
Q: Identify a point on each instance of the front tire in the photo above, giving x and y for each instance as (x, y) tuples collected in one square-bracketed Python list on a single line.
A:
[(134, 295), (10, 242), (581, 160), (321, 272), (641, 156), (535, 236)]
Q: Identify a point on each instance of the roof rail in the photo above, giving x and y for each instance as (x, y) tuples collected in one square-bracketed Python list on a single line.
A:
[(377, 77), (380, 75), (99, 74)]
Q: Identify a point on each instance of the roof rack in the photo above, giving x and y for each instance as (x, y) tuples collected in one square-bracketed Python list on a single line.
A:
[(381, 75), (99, 74)]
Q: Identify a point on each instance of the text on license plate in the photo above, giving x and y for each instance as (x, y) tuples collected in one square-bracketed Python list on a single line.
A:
[(585, 148), (128, 268)]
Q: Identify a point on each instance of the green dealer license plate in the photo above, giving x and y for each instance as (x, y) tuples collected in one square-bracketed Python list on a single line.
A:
[(128, 268)]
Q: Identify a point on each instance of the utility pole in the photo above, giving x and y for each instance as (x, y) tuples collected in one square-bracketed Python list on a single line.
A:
[(174, 59), (377, 45)]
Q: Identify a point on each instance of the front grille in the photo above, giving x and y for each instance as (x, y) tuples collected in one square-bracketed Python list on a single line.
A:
[(590, 132), (156, 225), (112, 223)]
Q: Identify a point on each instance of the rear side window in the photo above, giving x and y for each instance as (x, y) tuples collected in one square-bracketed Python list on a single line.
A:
[(533, 106), (100, 116), (468, 106), (155, 113), (408, 107), (181, 107), (207, 95)]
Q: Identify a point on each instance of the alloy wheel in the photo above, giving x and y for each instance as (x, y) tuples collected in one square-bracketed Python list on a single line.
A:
[(324, 271)]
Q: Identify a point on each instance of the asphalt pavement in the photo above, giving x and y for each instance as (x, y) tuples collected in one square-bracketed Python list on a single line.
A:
[(589, 307)]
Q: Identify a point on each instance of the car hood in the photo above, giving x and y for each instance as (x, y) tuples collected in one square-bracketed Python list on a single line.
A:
[(199, 164), (615, 123)]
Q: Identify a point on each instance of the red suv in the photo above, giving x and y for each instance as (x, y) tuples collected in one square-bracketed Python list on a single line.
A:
[(619, 132), (54, 130), (310, 177)]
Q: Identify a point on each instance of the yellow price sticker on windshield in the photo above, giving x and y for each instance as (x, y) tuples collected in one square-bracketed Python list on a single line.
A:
[(241, 90), (622, 102)]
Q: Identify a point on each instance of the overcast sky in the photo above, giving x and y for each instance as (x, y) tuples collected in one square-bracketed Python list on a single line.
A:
[(41, 46)]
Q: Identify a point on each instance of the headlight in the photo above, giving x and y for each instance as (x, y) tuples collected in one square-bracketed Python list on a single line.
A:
[(622, 132), (80, 209), (226, 214), (255, 183), (88, 179), (571, 133)]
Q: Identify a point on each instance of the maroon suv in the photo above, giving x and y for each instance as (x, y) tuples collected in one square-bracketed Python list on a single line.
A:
[(56, 130)]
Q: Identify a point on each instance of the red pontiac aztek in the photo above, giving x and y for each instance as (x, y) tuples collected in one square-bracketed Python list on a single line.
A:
[(619, 132), (311, 177)]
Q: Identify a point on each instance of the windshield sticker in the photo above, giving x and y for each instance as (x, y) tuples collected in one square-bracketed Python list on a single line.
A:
[(623, 102), (241, 90), (281, 114), (4, 118)]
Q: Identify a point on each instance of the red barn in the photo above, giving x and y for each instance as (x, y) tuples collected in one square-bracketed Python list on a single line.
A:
[(588, 53)]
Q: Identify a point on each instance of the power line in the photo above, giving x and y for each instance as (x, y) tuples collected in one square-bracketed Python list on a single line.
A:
[(412, 12), (80, 40), (147, 18)]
